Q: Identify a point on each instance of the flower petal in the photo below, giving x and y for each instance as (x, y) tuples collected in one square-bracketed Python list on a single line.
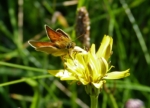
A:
[(62, 74), (68, 78), (56, 72), (100, 84), (92, 49), (105, 48), (84, 81), (104, 66), (117, 74)]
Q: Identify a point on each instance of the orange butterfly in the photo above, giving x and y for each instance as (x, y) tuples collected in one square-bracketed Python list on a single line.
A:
[(60, 44)]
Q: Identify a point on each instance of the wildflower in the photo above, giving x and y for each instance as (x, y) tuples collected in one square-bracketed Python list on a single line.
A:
[(91, 67)]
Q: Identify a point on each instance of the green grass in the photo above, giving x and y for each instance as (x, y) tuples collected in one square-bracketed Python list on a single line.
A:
[(24, 80)]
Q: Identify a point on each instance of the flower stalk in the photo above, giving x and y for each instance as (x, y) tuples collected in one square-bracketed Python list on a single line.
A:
[(93, 92), (94, 101)]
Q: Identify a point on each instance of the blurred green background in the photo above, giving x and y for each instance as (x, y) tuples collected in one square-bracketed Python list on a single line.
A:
[(24, 81)]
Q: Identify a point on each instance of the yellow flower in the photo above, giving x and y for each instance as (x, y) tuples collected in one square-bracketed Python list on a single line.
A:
[(91, 67)]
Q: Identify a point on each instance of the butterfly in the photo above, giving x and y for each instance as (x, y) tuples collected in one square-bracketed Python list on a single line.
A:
[(60, 43)]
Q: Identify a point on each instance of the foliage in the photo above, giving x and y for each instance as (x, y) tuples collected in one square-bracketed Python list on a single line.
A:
[(24, 80)]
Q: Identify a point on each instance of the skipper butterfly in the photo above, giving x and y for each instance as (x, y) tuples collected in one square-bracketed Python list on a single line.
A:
[(59, 45)]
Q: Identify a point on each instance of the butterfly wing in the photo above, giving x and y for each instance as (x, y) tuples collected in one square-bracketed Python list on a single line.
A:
[(62, 33), (52, 35), (53, 50), (58, 37), (37, 44), (48, 47)]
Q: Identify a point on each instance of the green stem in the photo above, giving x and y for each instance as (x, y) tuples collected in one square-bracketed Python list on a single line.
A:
[(22, 67), (94, 101), (23, 80)]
